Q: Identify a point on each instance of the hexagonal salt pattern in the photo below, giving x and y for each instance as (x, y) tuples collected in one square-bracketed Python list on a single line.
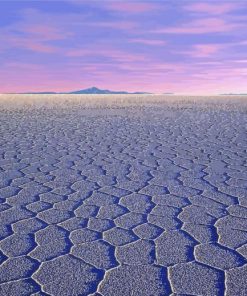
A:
[(150, 200)]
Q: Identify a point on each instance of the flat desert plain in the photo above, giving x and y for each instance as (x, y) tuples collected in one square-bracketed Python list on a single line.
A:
[(128, 195)]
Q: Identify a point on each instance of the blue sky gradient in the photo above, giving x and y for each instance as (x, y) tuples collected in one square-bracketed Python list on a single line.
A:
[(187, 47)]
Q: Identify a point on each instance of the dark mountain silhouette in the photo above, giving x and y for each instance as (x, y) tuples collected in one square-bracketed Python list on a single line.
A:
[(95, 90), (91, 90)]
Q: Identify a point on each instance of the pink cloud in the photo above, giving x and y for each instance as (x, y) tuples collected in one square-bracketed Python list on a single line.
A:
[(44, 32), (39, 47), (240, 61), (79, 52), (152, 68), (31, 34), (114, 60), (202, 50), (196, 81), (148, 41), (201, 26), (211, 8), (30, 44), (146, 77), (131, 7), (24, 66), (119, 25), (114, 54), (205, 50)]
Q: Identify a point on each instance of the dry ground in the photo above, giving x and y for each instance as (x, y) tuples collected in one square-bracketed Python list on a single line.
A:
[(123, 195)]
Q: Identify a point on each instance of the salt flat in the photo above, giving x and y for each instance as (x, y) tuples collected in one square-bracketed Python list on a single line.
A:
[(123, 195)]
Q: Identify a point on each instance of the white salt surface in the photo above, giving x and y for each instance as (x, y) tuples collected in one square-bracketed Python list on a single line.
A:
[(123, 195)]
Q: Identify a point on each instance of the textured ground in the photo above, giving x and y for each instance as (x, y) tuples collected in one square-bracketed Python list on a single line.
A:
[(131, 199)]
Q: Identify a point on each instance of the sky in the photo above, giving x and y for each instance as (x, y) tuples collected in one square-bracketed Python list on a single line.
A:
[(178, 46)]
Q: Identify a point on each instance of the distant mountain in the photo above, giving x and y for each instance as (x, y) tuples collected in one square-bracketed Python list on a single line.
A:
[(95, 90), (91, 90)]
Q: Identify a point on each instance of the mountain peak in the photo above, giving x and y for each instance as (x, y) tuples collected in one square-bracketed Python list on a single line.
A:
[(96, 90), (90, 90)]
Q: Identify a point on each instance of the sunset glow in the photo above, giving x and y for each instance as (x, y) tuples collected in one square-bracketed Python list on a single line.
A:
[(183, 47)]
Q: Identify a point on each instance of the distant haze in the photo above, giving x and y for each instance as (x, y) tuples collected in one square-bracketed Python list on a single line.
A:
[(182, 47)]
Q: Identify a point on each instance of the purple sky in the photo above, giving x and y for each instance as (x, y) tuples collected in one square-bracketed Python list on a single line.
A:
[(189, 47)]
